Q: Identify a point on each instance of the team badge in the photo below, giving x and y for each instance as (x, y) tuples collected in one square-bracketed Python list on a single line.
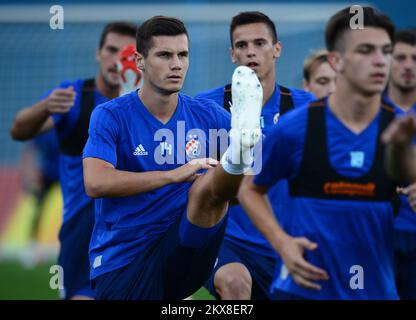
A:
[(357, 159), (193, 147), (276, 118)]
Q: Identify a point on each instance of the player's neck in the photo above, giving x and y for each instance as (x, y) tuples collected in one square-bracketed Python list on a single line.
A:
[(355, 110), (403, 99), (269, 85), (161, 106), (104, 89)]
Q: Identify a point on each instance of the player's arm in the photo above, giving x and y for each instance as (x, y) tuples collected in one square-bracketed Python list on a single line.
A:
[(103, 180), (254, 200), (36, 119), (400, 152)]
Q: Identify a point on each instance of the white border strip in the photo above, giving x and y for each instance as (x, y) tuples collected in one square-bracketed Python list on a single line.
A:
[(298, 12)]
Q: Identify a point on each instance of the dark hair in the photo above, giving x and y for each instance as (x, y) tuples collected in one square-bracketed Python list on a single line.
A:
[(119, 27), (249, 17), (157, 26), (407, 36), (339, 23), (314, 61)]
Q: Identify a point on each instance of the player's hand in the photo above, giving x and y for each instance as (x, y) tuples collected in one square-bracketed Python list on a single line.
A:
[(400, 131), (303, 273), (60, 100), (189, 172), (410, 192)]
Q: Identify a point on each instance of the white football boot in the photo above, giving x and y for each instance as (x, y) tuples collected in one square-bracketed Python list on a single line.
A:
[(247, 101)]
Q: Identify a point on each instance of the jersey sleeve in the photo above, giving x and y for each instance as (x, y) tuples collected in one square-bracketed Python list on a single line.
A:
[(103, 133)]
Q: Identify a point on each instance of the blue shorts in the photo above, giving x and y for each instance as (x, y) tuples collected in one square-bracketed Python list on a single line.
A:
[(74, 236), (169, 269), (261, 269), (405, 264)]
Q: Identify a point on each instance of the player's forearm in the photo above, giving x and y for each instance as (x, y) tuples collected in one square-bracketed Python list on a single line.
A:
[(28, 122), (401, 162), (110, 182), (261, 214)]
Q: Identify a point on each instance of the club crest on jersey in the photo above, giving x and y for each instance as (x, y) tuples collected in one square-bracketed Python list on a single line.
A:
[(276, 118), (357, 159), (193, 147)]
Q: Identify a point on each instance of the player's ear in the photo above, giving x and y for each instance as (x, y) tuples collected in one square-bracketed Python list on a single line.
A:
[(97, 55), (277, 49), (233, 59), (139, 61), (305, 85), (336, 61)]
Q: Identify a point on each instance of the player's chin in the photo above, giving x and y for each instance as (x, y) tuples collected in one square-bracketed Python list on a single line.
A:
[(112, 80), (373, 90), (408, 86), (174, 88)]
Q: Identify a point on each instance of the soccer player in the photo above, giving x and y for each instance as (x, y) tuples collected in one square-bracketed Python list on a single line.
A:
[(159, 220), (318, 75), (338, 237), (67, 108), (246, 260), (401, 92)]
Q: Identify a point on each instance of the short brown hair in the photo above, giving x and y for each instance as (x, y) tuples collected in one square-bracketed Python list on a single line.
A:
[(157, 26), (339, 23), (119, 27), (407, 36), (249, 17), (314, 61)]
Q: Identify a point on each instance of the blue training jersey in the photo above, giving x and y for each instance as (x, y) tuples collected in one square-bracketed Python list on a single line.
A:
[(406, 219), (240, 230), (124, 133), (351, 235), (70, 167)]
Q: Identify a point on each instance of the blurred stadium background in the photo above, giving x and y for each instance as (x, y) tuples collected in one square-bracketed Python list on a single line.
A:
[(35, 58)]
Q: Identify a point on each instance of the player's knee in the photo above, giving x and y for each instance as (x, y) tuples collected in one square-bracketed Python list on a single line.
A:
[(204, 189), (234, 285)]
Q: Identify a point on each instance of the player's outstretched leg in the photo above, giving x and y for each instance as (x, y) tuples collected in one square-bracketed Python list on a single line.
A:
[(209, 195), (202, 227)]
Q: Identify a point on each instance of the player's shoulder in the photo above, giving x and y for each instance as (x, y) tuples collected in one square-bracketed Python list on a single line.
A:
[(293, 123), (302, 93), (121, 104), (200, 104), (215, 94), (301, 97), (207, 110), (116, 108), (77, 84)]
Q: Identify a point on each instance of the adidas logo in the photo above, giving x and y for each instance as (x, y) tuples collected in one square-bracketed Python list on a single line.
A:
[(140, 151)]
